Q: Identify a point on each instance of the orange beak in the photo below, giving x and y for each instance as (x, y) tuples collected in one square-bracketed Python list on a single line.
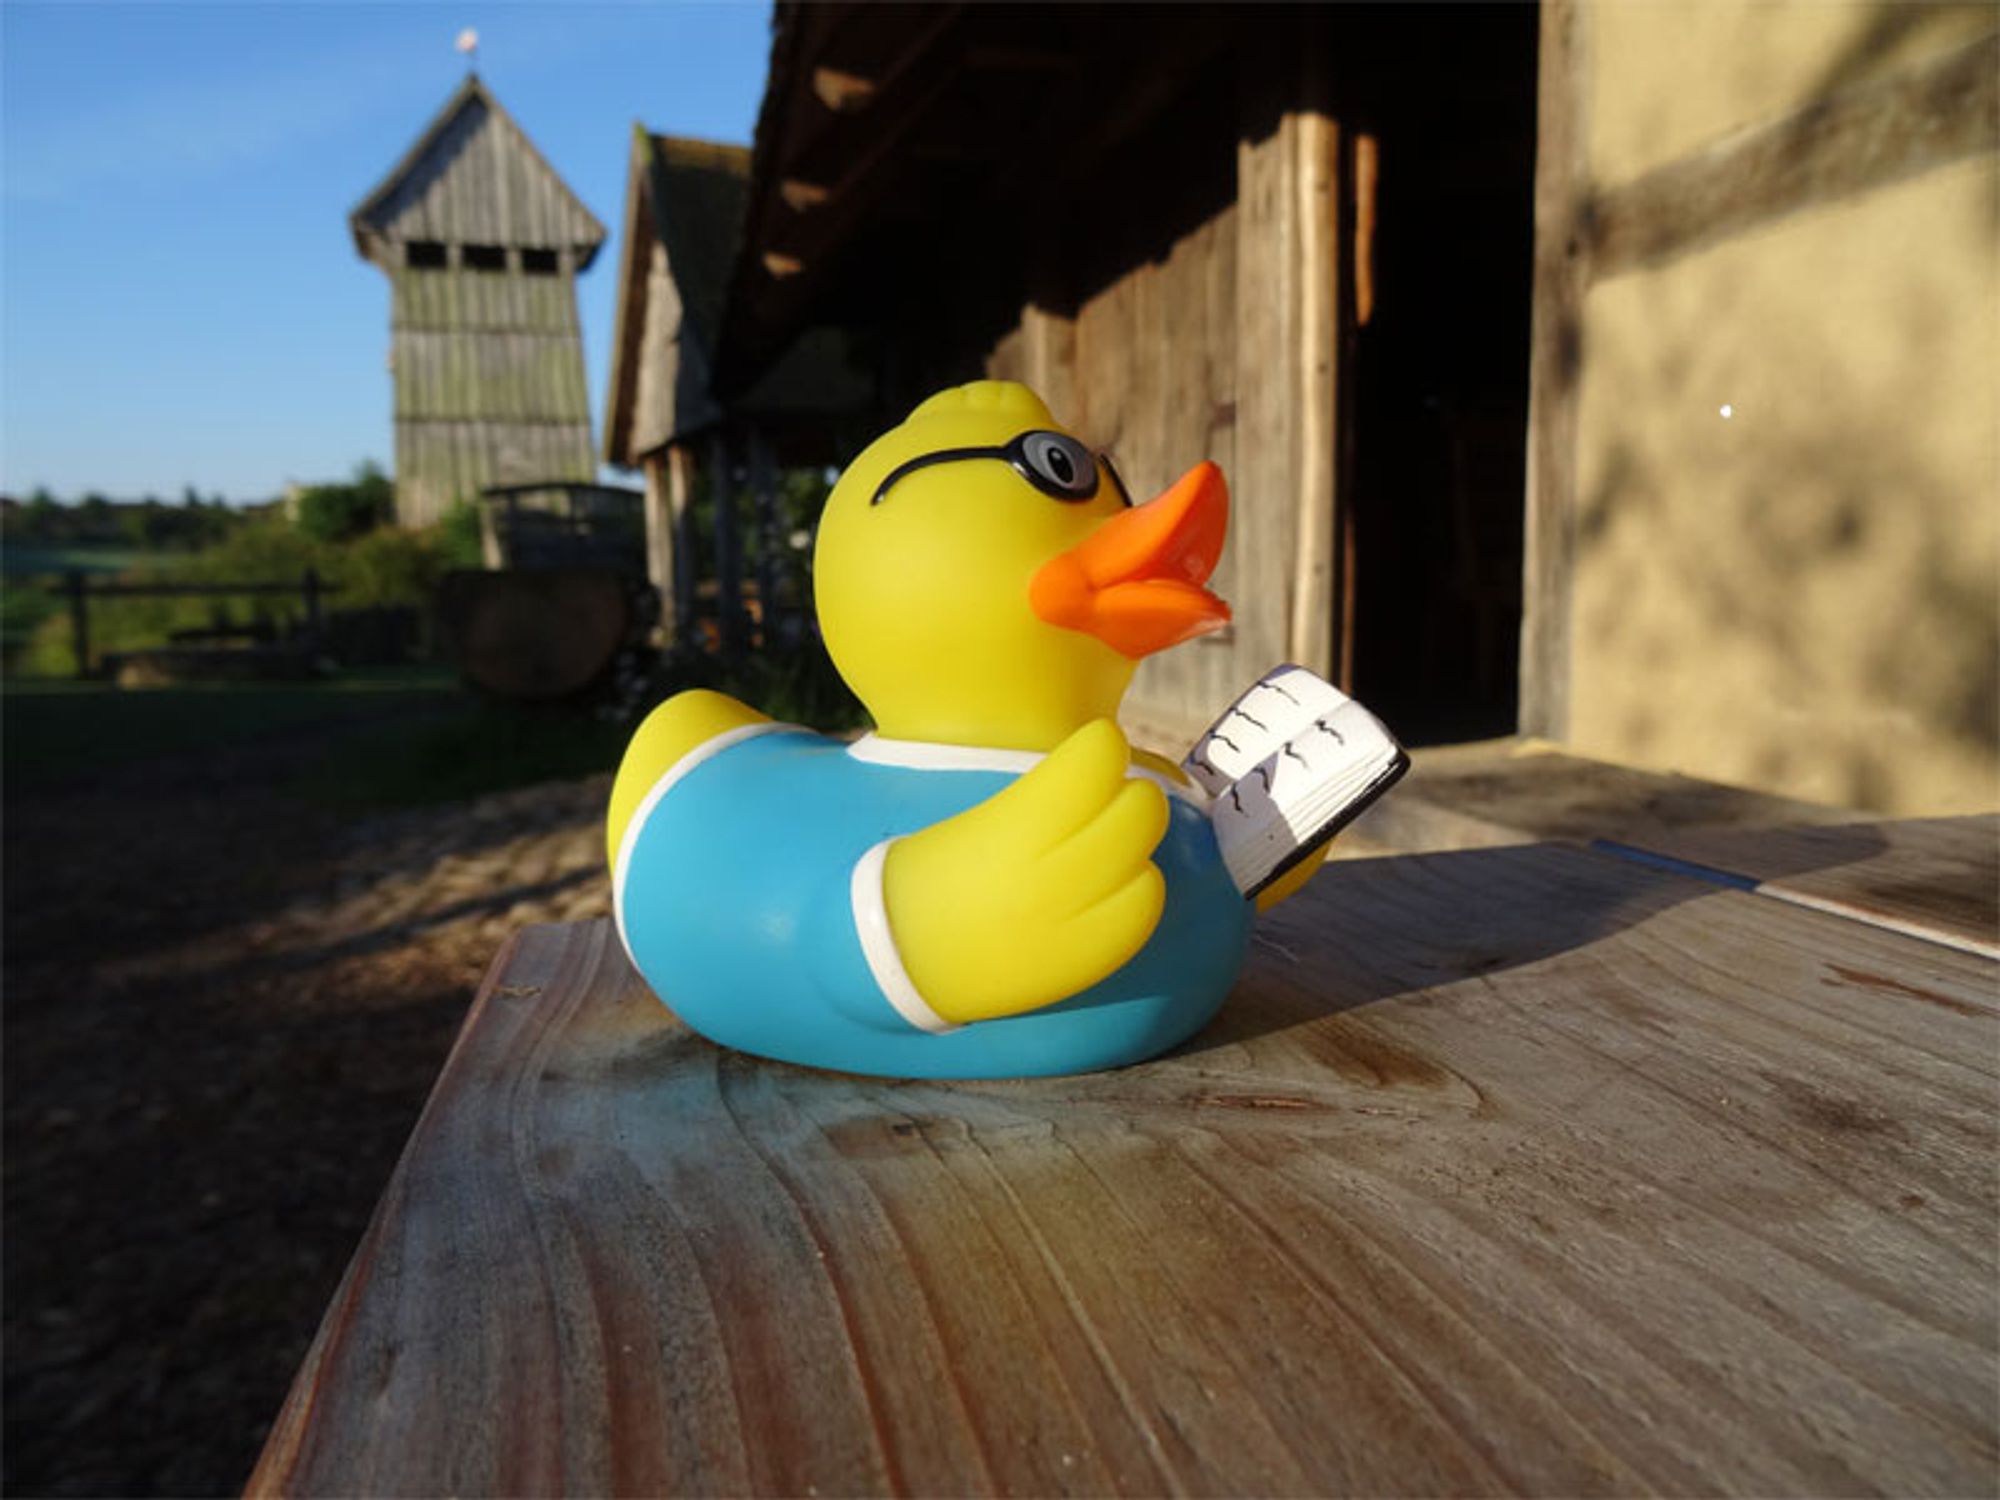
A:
[(1136, 582)]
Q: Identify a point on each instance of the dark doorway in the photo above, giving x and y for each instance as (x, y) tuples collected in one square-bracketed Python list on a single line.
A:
[(1436, 377)]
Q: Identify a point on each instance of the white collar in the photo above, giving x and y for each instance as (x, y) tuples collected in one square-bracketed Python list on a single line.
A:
[(929, 755)]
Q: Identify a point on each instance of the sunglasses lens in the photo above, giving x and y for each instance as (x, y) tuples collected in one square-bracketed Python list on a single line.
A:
[(1059, 465)]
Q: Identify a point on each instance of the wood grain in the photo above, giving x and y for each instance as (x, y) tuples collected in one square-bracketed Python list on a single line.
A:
[(1322, 287), (1513, 792), (660, 530), (1150, 363), (1269, 401), (1937, 878), (1503, 1170)]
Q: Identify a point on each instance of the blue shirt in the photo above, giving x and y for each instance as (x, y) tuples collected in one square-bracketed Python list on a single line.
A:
[(734, 898)]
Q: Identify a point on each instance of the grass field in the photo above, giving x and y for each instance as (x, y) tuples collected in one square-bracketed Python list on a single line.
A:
[(396, 737)]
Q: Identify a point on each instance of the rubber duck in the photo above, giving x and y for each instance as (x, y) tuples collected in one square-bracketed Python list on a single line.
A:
[(991, 883)]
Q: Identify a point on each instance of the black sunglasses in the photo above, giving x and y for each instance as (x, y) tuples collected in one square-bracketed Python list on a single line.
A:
[(1053, 462)]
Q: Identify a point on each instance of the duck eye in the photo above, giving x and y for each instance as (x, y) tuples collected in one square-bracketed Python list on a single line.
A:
[(1059, 465)]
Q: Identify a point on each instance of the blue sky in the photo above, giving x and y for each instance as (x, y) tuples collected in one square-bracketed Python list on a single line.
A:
[(180, 301)]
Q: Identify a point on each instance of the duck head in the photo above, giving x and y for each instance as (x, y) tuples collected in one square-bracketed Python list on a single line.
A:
[(983, 579)]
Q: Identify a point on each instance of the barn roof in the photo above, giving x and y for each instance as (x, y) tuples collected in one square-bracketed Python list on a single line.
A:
[(687, 197), (897, 144), (474, 178), (696, 192)]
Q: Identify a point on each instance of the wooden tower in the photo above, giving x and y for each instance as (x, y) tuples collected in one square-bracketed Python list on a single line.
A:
[(481, 242)]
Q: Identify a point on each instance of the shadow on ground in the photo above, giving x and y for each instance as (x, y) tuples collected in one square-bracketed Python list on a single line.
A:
[(224, 1009)]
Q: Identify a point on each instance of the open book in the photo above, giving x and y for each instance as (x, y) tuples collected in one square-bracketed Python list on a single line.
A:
[(1292, 762)]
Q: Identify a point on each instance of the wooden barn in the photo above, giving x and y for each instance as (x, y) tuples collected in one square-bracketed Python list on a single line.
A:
[(482, 243), (1177, 223), (1580, 370), (684, 205), (1612, 373), (1764, 499)]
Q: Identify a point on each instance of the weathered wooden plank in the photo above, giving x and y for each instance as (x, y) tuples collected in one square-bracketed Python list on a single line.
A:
[(662, 529), (1225, 669), (1514, 792), (680, 504), (1265, 485), (1009, 360), (1187, 352), (1937, 878), (1503, 1170), (1322, 285), (1049, 357)]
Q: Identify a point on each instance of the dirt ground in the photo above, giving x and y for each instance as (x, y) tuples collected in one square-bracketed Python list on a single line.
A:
[(224, 1008)]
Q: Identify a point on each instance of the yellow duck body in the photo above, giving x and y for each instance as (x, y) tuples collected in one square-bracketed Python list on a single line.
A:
[(986, 589)]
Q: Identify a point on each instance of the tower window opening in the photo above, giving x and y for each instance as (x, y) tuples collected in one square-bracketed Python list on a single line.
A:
[(424, 255), (539, 262), (486, 257)]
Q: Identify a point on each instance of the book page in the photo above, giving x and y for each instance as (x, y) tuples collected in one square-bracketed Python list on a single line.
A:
[(1290, 761)]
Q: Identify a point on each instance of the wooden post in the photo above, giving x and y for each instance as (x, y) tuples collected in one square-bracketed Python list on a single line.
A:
[(1288, 290), (660, 550), (764, 493), (1360, 166), (680, 490), (1049, 353), (79, 619), (1316, 181), (728, 546), (491, 555)]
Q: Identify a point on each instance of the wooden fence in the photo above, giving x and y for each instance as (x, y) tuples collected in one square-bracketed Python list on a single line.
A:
[(80, 590)]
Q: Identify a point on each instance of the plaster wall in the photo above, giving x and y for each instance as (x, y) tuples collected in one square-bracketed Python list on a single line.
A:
[(1670, 77), (1800, 593)]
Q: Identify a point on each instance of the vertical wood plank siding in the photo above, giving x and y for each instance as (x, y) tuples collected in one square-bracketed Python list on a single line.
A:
[(1226, 348), (488, 363), (1316, 182), (1152, 372), (660, 528), (659, 376), (1268, 410)]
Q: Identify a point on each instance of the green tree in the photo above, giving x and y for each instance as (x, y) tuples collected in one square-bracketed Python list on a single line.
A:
[(41, 517), (460, 536), (341, 512)]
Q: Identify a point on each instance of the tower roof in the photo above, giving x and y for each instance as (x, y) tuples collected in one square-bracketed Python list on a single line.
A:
[(474, 178)]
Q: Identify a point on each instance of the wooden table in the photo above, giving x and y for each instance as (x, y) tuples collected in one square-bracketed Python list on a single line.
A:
[(1548, 1168)]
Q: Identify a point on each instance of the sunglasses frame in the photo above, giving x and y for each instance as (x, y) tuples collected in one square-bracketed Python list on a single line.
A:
[(1014, 452)]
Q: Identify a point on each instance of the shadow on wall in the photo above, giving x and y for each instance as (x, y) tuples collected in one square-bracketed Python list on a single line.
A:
[(1891, 33), (1786, 540)]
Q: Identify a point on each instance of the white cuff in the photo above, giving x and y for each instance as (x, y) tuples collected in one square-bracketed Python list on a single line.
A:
[(707, 750), (878, 944)]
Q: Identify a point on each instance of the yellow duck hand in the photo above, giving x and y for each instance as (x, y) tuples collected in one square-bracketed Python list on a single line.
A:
[(1036, 893)]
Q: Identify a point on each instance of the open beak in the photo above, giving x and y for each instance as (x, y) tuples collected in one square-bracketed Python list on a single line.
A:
[(1136, 582)]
